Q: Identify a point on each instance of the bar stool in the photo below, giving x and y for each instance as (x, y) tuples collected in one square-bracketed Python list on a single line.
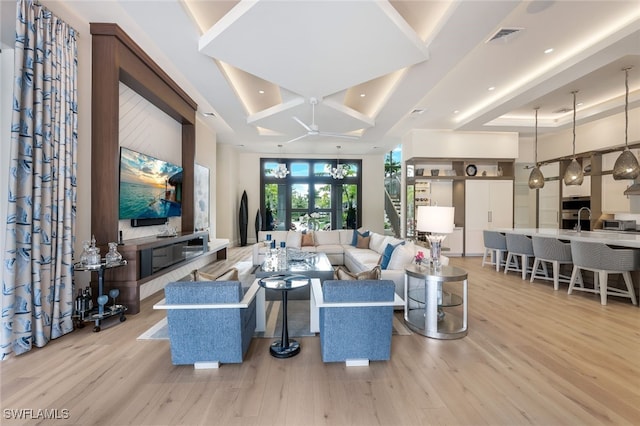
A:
[(495, 246), (554, 251), (603, 260), (519, 245)]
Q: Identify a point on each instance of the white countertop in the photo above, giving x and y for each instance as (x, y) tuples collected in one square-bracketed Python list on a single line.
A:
[(623, 239)]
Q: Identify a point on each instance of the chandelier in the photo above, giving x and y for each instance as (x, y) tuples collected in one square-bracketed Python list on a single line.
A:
[(281, 171), (574, 174), (626, 166), (536, 179), (340, 171)]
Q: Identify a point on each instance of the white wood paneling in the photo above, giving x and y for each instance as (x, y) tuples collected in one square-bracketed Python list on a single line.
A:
[(144, 128)]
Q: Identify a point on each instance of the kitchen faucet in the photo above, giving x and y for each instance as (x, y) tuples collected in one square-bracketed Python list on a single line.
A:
[(578, 227)]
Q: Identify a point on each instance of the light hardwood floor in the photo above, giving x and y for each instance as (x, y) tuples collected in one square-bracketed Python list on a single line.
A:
[(532, 356)]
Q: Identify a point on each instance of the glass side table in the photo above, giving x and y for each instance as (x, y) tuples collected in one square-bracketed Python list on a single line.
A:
[(436, 301)]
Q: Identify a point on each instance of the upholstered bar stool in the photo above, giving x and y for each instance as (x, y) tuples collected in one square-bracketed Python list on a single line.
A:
[(554, 251), (603, 260), (495, 247), (519, 246)]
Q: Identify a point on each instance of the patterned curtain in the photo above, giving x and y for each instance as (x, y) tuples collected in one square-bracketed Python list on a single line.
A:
[(37, 291)]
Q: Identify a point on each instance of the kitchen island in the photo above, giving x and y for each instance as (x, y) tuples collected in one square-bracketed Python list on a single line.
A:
[(620, 239), (602, 261)]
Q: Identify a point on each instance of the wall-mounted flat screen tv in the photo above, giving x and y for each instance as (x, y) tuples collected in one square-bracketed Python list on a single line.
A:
[(149, 188)]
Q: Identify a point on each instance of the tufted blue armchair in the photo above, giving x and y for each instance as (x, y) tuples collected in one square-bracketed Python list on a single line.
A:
[(356, 319), (210, 322)]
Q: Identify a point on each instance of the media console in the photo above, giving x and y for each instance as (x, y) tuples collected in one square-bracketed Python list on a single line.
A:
[(151, 257)]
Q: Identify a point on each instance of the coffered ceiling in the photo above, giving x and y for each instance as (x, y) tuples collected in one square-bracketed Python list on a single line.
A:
[(379, 69)]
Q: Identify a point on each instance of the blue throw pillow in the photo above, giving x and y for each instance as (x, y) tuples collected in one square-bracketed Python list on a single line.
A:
[(354, 240), (386, 255)]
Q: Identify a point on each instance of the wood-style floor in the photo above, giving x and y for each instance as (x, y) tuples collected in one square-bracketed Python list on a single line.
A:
[(533, 356)]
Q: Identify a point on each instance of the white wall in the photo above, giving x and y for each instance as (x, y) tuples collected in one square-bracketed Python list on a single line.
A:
[(206, 156), (604, 133), (227, 198), (452, 144)]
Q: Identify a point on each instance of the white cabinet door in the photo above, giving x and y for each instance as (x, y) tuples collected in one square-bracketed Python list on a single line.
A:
[(476, 207), (500, 204), (488, 205), (583, 190), (613, 198), (549, 205)]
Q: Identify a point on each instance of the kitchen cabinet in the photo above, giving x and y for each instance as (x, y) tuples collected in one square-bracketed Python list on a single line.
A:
[(549, 205), (454, 243), (488, 205), (549, 197), (613, 198), (583, 190)]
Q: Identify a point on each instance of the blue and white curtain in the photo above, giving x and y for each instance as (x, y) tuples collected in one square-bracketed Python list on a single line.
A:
[(37, 288)]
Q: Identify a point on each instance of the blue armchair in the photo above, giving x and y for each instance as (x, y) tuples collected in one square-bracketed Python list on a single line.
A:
[(356, 319), (210, 322)]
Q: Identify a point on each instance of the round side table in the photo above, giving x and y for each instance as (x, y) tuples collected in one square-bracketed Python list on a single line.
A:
[(436, 301), (285, 347)]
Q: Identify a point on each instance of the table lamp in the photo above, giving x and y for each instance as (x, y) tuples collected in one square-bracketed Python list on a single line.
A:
[(437, 222)]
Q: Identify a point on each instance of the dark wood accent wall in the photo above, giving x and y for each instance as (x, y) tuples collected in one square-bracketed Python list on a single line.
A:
[(116, 57)]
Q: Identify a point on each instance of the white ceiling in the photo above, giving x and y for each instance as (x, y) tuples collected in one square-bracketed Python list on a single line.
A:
[(431, 56)]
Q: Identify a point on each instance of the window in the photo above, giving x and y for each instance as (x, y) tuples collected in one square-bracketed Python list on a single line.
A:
[(288, 203)]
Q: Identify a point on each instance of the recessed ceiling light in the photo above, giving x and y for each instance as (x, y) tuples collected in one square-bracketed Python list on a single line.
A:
[(549, 50), (491, 88), (362, 95), (261, 92), (456, 111), (579, 104)]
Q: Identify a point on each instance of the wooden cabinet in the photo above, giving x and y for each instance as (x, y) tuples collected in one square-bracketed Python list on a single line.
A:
[(488, 205)]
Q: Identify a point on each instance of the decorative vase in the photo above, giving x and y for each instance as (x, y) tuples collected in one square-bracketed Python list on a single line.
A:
[(93, 256), (258, 223), (113, 257), (243, 219)]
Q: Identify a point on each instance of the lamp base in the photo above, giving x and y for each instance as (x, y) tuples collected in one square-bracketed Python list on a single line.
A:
[(435, 249)]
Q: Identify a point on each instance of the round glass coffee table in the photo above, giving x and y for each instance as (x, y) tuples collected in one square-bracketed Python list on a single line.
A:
[(285, 347)]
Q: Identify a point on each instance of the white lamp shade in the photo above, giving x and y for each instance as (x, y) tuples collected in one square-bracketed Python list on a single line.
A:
[(435, 219)]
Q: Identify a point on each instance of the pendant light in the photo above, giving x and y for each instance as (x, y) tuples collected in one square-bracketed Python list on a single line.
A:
[(626, 166), (574, 174), (536, 179), (281, 171)]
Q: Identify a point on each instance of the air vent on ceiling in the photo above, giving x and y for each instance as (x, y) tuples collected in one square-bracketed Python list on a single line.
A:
[(504, 34), (563, 110), (418, 111)]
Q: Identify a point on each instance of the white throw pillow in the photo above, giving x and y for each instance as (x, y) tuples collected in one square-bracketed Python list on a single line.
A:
[(377, 242), (294, 239), (324, 238), (402, 256)]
